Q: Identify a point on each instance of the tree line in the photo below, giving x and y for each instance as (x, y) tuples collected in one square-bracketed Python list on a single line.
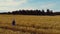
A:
[(33, 12)]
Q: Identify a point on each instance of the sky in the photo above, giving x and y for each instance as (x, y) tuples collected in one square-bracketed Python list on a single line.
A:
[(12, 5)]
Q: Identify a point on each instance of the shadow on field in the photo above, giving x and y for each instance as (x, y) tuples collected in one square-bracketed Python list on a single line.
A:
[(30, 29)]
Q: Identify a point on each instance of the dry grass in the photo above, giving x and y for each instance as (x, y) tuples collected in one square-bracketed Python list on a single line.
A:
[(29, 24)]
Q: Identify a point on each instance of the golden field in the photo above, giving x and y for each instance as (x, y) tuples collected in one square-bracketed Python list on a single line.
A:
[(29, 24)]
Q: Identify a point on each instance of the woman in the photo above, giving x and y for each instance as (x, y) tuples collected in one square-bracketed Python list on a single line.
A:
[(13, 22)]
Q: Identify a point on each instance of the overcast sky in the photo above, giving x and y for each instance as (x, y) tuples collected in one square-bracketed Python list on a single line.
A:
[(10, 5)]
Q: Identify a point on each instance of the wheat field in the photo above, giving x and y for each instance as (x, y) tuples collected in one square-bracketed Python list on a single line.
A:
[(29, 24)]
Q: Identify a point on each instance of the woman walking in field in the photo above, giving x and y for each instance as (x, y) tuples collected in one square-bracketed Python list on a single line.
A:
[(13, 22)]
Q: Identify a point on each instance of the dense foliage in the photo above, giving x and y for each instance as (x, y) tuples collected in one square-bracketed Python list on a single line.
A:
[(32, 12)]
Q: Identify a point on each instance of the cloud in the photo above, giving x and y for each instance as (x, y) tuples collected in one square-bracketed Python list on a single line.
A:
[(27, 8), (47, 6), (40, 6), (10, 4)]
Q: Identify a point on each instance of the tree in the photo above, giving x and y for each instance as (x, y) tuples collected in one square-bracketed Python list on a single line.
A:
[(43, 12), (48, 12)]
